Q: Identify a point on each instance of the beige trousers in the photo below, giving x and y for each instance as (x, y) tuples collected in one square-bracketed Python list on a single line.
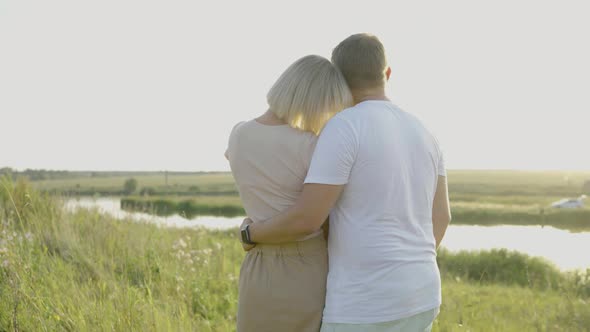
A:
[(283, 287)]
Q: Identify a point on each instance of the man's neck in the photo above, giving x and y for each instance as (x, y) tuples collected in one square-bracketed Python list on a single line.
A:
[(377, 94)]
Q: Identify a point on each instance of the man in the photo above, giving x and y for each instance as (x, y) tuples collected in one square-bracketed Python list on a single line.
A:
[(380, 176)]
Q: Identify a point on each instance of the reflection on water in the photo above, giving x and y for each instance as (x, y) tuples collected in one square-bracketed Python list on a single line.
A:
[(112, 206), (565, 249)]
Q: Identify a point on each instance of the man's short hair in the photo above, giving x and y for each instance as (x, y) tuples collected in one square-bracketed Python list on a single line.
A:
[(361, 59)]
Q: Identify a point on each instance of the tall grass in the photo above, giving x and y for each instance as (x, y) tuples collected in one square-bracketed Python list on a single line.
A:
[(83, 271)]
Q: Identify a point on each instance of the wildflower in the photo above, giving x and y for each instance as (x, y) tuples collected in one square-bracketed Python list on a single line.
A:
[(5, 263), (189, 262), (180, 254), (29, 236), (179, 244), (218, 245)]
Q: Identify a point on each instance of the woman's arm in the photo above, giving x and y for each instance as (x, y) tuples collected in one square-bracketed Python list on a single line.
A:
[(305, 217)]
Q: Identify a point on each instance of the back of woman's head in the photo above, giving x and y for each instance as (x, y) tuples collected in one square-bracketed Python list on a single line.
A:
[(309, 93)]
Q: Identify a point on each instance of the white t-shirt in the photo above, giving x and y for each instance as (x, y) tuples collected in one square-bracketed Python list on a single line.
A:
[(381, 245)]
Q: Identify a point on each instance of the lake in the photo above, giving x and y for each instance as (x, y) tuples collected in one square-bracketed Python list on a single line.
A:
[(567, 250)]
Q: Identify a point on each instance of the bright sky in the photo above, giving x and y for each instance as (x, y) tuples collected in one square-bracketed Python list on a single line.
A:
[(154, 85)]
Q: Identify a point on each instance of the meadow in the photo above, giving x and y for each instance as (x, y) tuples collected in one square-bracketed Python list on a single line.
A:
[(477, 197), (84, 271)]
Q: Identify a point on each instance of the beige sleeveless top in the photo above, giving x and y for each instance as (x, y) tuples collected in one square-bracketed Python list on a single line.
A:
[(269, 165)]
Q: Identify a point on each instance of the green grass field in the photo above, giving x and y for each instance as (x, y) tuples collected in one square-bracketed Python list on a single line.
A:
[(477, 197), (96, 183), (538, 187), (83, 271)]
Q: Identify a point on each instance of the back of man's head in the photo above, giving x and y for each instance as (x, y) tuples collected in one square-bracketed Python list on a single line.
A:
[(361, 58)]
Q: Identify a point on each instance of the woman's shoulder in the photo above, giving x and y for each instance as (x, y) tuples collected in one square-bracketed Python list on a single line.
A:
[(243, 128)]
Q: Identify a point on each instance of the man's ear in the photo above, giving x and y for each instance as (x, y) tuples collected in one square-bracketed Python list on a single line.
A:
[(387, 73)]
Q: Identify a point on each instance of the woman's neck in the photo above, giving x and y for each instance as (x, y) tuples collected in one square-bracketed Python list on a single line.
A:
[(270, 119)]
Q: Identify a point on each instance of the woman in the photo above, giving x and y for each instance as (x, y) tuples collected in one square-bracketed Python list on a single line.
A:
[(282, 287)]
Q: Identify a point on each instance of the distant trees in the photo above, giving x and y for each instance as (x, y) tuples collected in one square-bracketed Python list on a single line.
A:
[(35, 174), (5, 171), (130, 186), (586, 187)]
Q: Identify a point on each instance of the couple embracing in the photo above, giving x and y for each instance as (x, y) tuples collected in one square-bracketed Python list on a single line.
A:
[(332, 150)]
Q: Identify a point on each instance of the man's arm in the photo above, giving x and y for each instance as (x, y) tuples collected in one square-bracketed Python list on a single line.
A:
[(305, 217), (441, 210)]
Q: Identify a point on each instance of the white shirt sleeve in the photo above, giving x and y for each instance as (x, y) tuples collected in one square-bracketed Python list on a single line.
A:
[(334, 154), (442, 171)]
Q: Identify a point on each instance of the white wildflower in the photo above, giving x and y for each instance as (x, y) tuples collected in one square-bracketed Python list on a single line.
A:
[(29, 236), (180, 254), (5, 263), (218, 245)]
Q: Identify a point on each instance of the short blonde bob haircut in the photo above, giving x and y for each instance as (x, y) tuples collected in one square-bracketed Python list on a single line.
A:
[(309, 93)]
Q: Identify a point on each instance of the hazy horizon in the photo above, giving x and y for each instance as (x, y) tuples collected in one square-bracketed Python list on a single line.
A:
[(154, 85), (229, 171)]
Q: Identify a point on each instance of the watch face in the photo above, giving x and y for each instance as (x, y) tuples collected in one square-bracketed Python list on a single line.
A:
[(244, 235)]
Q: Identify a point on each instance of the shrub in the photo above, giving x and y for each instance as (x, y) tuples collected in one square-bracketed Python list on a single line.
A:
[(130, 186), (147, 191)]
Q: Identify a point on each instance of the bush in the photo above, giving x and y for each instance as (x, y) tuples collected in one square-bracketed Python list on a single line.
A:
[(147, 191), (501, 266), (130, 186)]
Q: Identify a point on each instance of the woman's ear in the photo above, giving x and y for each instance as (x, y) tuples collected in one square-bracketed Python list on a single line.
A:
[(387, 73)]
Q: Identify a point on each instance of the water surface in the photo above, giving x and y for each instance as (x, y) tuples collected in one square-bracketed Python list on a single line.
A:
[(565, 249)]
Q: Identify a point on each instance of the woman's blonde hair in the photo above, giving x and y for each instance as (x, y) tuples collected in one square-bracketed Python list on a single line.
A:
[(309, 93)]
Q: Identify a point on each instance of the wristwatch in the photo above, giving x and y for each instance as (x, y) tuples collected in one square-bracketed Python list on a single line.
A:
[(246, 235)]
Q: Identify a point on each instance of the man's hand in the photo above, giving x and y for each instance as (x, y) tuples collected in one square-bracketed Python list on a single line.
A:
[(245, 246)]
